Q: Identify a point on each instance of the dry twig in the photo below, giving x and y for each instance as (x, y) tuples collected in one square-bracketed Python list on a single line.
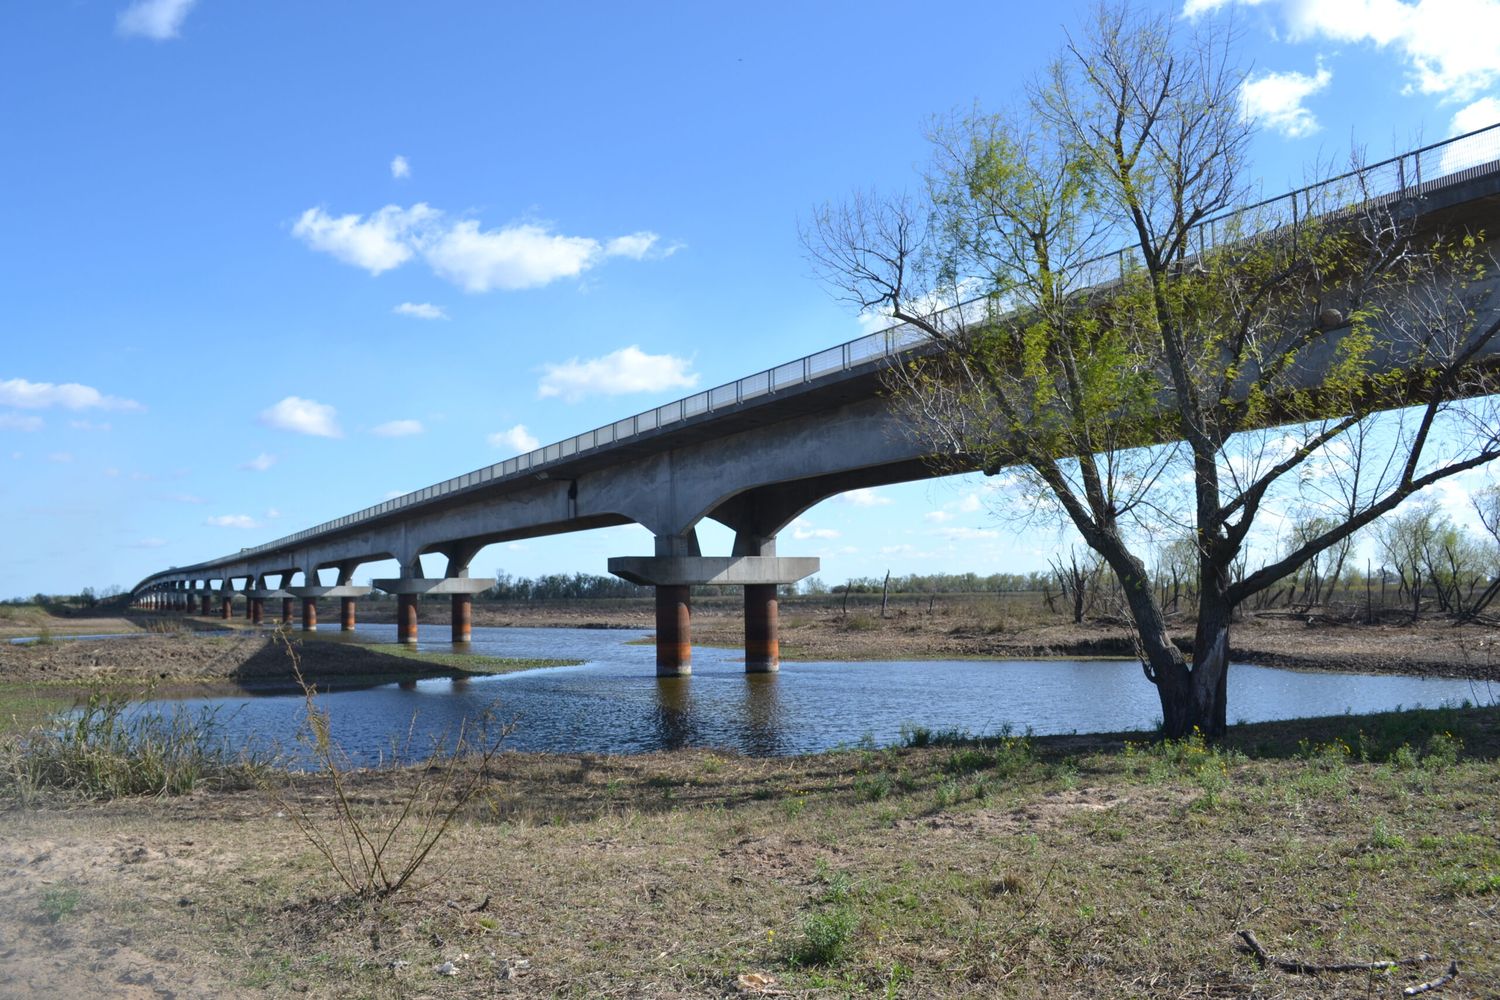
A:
[(1254, 946), (1435, 984)]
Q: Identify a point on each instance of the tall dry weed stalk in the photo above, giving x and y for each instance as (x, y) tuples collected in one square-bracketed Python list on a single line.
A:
[(376, 852)]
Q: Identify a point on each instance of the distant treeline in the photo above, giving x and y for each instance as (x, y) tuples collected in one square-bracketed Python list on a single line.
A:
[(936, 583), (562, 587), (590, 586)]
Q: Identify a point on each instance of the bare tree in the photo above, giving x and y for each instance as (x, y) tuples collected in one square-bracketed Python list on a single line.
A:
[(1201, 376)]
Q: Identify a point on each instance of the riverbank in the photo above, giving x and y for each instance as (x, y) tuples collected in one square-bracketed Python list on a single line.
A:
[(958, 629), (42, 678), (1067, 867)]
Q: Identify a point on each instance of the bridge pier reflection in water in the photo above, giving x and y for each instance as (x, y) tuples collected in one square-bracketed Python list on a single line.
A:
[(675, 716)]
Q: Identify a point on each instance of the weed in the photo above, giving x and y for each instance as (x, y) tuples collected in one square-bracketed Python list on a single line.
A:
[(377, 856), (1384, 840), (873, 787), (824, 937), (109, 749), (57, 903)]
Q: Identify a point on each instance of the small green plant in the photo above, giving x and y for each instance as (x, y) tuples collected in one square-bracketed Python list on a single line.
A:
[(873, 787), (57, 903), (1442, 751), (1383, 839), (824, 937)]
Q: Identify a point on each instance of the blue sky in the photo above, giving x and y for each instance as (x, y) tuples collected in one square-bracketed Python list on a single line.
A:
[(268, 263)]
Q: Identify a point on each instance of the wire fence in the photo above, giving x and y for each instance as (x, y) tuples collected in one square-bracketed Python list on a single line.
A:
[(1412, 174)]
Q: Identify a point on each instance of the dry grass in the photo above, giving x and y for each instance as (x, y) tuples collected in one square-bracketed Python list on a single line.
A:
[(1059, 868)]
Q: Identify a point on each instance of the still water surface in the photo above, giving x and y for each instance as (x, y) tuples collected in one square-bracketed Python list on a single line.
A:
[(613, 703)]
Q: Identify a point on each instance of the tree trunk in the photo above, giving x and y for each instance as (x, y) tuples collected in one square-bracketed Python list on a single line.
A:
[(1196, 696)]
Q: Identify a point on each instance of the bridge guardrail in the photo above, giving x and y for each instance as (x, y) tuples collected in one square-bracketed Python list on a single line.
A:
[(1413, 173)]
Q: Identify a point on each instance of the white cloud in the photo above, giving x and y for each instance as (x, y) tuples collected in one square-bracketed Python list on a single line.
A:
[(803, 530), (16, 422), (420, 310), (1448, 45), (635, 246), (512, 257), (26, 395), (399, 428), (1485, 111), (260, 463), (155, 19), (383, 241), (1480, 149), (518, 439), (938, 516), (864, 497), (89, 425), (304, 416), (1276, 101), (627, 370), (400, 168), (233, 521)]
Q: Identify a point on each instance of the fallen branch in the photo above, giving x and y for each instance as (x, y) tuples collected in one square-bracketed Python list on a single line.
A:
[(1312, 968), (1436, 984)]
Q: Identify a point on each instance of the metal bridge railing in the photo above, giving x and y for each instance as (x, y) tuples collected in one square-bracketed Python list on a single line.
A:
[(1410, 174)]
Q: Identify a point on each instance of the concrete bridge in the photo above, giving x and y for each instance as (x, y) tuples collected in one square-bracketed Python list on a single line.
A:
[(752, 455)]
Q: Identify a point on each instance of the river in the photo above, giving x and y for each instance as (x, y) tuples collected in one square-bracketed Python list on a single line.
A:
[(613, 702)]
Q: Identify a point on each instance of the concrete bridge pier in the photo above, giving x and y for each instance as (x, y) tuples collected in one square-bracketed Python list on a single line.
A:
[(409, 589), (674, 575), (762, 629), (312, 591), (226, 601)]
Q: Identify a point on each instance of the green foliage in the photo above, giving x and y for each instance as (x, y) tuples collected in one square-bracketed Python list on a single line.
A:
[(110, 748), (824, 937), (59, 902)]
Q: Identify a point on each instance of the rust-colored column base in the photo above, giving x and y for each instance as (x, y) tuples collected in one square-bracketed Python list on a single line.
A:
[(406, 617), (226, 607), (203, 609), (762, 645), (346, 614), (286, 611), (257, 610), (674, 631), (463, 616), (309, 614)]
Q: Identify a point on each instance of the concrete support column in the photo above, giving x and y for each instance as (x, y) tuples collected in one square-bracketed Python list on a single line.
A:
[(309, 614), (286, 611), (204, 604), (226, 607), (346, 614), (762, 643), (463, 616), (257, 610), (406, 618), (674, 631)]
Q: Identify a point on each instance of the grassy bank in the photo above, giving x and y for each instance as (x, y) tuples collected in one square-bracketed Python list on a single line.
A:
[(1009, 867)]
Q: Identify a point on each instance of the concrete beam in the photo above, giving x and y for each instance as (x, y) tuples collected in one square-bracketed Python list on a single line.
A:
[(692, 571), (434, 585), (316, 592)]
